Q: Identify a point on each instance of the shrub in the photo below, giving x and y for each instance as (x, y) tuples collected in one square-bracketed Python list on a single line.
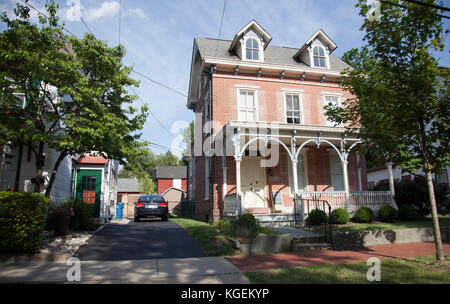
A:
[(363, 215), (21, 221), (245, 226), (339, 216), (415, 194), (407, 213), (82, 214), (317, 217), (388, 213), (225, 227)]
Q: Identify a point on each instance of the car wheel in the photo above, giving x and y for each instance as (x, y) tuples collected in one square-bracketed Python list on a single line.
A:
[(136, 219), (164, 218)]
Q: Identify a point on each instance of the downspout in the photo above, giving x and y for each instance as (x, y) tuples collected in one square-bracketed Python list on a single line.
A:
[(211, 194)]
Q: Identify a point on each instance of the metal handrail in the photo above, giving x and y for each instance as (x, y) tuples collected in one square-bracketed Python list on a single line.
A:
[(325, 204)]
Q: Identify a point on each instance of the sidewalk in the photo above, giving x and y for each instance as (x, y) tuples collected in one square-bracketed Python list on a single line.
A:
[(267, 261), (209, 270)]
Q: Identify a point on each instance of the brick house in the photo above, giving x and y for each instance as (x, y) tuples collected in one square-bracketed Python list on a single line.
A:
[(261, 135)]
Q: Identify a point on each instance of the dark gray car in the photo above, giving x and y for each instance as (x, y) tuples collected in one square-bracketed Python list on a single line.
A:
[(151, 206)]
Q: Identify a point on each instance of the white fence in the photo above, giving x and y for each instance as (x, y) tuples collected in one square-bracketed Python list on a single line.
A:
[(372, 199)]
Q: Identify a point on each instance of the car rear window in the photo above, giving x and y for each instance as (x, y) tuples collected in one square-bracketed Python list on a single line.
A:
[(155, 199)]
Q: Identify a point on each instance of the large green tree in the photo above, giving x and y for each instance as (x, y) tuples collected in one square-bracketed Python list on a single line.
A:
[(399, 104), (74, 91)]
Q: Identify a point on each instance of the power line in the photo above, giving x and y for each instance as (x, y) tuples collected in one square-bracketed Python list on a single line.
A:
[(416, 2), (160, 123), (442, 8), (220, 29), (159, 83), (155, 145), (85, 24)]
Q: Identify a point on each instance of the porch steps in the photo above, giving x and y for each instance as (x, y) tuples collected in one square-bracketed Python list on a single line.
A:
[(316, 243), (276, 220)]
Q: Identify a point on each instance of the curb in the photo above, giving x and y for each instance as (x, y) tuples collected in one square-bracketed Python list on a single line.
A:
[(38, 257)]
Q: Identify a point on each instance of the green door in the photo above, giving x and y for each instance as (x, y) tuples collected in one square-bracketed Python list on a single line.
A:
[(88, 188)]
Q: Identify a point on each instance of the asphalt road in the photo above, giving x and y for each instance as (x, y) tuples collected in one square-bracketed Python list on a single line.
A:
[(148, 239)]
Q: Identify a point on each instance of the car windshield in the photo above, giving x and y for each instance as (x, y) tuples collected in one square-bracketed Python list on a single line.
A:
[(151, 198)]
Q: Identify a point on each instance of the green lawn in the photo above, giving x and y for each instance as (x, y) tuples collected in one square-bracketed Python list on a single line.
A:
[(395, 225), (211, 241), (422, 270)]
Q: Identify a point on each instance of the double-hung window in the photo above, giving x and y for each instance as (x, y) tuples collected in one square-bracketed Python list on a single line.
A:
[(337, 180), (247, 105), (252, 49), (319, 57), (332, 100), (293, 109)]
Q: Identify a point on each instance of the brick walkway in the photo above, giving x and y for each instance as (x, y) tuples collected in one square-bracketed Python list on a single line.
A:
[(266, 261)]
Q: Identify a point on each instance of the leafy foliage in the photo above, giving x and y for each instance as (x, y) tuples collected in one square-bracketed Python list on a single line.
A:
[(147, 185), (317, 217), (75, 97), (245, 226), (363, 215), (407, 213), (339, 216), (21, 221), (81, 219), (388, 213)]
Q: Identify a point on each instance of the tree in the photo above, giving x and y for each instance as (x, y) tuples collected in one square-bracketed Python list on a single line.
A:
[(399, 105), (188, 138), (75, 96), (147, 185)]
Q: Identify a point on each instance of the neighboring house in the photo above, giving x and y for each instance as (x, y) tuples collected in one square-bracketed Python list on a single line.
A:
[(171, 177), (128, 193), (250, 98), (380, 174), (95, 181), (18, 171)]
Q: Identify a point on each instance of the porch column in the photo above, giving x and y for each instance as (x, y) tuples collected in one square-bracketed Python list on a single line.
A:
[(358, 169), (391, 179), (295, 178), (238, 184), (346, 187)]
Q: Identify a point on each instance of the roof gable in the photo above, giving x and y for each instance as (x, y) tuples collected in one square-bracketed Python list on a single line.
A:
[(256, 28), (318, 36)]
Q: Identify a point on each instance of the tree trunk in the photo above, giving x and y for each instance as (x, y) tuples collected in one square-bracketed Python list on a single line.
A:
[(61, 156), (437, 232), (39, 166)]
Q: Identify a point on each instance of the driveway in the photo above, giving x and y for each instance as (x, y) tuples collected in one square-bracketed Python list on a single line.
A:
[(148, 239)]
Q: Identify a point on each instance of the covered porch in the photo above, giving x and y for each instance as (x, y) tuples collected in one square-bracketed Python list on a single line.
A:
[(279, 169)]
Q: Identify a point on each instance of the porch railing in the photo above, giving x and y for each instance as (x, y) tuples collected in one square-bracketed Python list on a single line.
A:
[(372, 199)]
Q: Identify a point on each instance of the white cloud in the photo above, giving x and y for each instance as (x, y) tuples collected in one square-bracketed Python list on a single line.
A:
[(136, 12), (107, 9)]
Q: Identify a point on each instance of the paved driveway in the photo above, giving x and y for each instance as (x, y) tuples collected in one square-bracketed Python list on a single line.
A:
[(148, 239)]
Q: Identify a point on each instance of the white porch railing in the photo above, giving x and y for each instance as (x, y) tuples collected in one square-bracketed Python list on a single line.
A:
[(372, 199)]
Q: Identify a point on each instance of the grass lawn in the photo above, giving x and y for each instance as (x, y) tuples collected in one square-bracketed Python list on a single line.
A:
[(376, 225), (211, 241), (421, 270)]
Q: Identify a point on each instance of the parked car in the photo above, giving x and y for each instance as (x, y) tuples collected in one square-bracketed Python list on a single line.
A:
[(151, 206)]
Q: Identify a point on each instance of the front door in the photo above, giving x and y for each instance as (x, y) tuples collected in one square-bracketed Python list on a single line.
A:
[(88, 188), (253, 183)]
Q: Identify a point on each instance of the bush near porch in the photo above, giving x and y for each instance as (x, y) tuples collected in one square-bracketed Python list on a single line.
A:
[(81, 220), (21, 221)]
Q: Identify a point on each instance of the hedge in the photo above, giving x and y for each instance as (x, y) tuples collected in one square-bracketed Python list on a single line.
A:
[(21, 221)]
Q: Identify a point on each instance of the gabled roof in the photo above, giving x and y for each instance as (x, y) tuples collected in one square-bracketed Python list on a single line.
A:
[(259, 30), (322, 36), (171, 172), (88, 159), (127, 185)]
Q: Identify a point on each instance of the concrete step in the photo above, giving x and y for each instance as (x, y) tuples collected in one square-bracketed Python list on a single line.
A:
[(306, 240), (302, 247)]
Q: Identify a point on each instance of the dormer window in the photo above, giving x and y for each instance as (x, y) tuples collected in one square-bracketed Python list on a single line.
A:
[(252, 49), (319, 57)]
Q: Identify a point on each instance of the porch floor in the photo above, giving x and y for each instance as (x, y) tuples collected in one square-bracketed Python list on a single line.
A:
[(296, 233)]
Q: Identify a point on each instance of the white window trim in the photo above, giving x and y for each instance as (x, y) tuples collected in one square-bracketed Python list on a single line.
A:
[(207, 177), (327, 56), (298, 93), (305, 169), (248, 88), (244, 49), (324, 97)]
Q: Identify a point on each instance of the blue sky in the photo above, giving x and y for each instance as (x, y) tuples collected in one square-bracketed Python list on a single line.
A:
[(158, 36)]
